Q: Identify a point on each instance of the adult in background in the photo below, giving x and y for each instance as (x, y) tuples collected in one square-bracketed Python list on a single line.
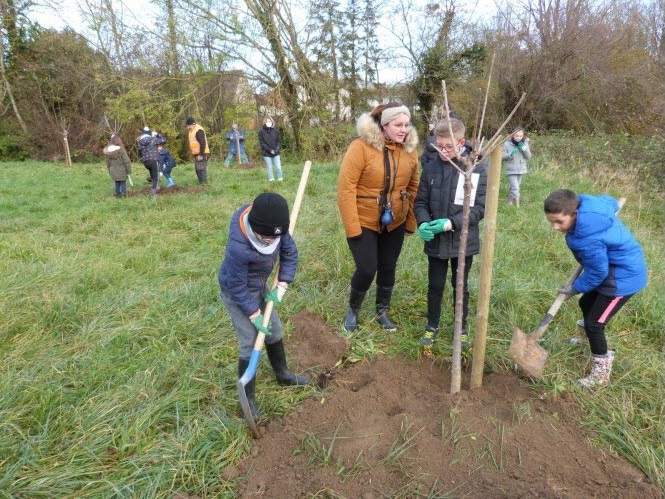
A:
[(236, 138), (118, 164), (198, 147), (269, 140), (149, 156), (376, 189)]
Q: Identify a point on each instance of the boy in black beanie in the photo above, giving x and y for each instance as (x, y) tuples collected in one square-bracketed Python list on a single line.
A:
[(258, 235)]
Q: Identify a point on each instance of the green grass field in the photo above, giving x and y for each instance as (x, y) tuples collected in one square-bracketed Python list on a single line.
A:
[(118, 360)]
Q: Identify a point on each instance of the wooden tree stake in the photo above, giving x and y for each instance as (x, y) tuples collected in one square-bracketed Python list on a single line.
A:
[(486, 261)]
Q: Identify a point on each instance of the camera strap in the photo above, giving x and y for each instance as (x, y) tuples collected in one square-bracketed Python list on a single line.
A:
[(387, 174)]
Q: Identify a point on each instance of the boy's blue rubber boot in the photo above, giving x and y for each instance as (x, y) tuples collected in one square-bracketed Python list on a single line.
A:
[(170, 182)]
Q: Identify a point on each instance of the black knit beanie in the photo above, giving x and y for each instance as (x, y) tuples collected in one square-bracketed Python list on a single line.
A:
[(269, 215)]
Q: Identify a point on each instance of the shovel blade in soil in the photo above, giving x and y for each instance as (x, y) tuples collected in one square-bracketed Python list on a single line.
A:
[(528, 354), (246, 411)]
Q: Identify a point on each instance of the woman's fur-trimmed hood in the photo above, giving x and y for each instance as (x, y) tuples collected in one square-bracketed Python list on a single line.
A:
[(371, 132)]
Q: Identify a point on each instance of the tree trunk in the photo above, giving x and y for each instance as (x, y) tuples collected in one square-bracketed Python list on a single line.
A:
[(173, 59), (456, 375), (264, 12), (8, 87)]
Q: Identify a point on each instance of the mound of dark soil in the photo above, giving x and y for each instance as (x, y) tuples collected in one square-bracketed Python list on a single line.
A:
[(389, 428)]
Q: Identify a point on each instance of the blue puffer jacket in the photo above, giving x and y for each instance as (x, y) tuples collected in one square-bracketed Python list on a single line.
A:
[(244, 271), (612, 259)]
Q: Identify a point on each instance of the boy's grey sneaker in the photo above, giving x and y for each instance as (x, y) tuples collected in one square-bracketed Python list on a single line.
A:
[(580, 323), (429, 336)]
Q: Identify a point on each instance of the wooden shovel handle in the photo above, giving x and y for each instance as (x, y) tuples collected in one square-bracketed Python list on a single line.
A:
[(260, 338), (561, 297)]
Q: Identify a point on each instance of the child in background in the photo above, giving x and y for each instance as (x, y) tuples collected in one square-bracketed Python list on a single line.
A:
[(515, 155), (118, 164), (166, 164), (614, 268), (438, 210), (258, 236)]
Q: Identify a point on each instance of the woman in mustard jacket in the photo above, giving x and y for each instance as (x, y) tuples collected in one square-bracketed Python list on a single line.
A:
[(376, 189)]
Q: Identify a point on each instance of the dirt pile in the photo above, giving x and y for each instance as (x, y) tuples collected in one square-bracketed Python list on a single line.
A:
[(389, 428)]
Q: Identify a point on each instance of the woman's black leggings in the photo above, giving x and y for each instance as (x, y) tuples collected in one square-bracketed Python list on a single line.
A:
[(153, 167), (375, 254)]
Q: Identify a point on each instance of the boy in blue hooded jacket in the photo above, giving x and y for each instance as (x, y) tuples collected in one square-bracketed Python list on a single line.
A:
[(614, 267), (258, 236)]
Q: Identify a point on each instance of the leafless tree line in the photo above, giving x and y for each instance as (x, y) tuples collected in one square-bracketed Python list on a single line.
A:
[(585, 65)]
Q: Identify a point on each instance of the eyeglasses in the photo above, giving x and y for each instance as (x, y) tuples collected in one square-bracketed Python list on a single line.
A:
[(449, 148)]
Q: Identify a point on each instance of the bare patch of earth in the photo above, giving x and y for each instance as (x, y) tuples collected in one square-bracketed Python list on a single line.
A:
[(389, 428)]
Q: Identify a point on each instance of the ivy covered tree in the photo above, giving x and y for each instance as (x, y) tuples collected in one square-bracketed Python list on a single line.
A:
[(325, 16)]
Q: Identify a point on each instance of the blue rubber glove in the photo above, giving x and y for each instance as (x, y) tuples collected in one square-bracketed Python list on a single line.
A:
[(277, 294), (425, 231), (440, 225), (258, 324)]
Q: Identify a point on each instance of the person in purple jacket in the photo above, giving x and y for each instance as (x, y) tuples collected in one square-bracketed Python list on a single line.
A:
[(614, 267), (258, 236)]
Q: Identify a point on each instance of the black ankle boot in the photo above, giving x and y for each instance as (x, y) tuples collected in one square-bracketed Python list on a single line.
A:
[(277, 359), (249, 390), (383, 296), (355, 302)]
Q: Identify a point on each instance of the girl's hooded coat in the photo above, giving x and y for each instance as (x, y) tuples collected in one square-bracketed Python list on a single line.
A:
[(612, 259), (362, 179), (514, 159), (117, 162)]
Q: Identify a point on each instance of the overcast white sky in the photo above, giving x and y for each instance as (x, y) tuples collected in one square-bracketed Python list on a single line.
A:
[(68, 14)]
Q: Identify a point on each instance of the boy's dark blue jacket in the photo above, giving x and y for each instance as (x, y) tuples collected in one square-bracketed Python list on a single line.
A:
[(436, 199), (612, 259), (244, 271)]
